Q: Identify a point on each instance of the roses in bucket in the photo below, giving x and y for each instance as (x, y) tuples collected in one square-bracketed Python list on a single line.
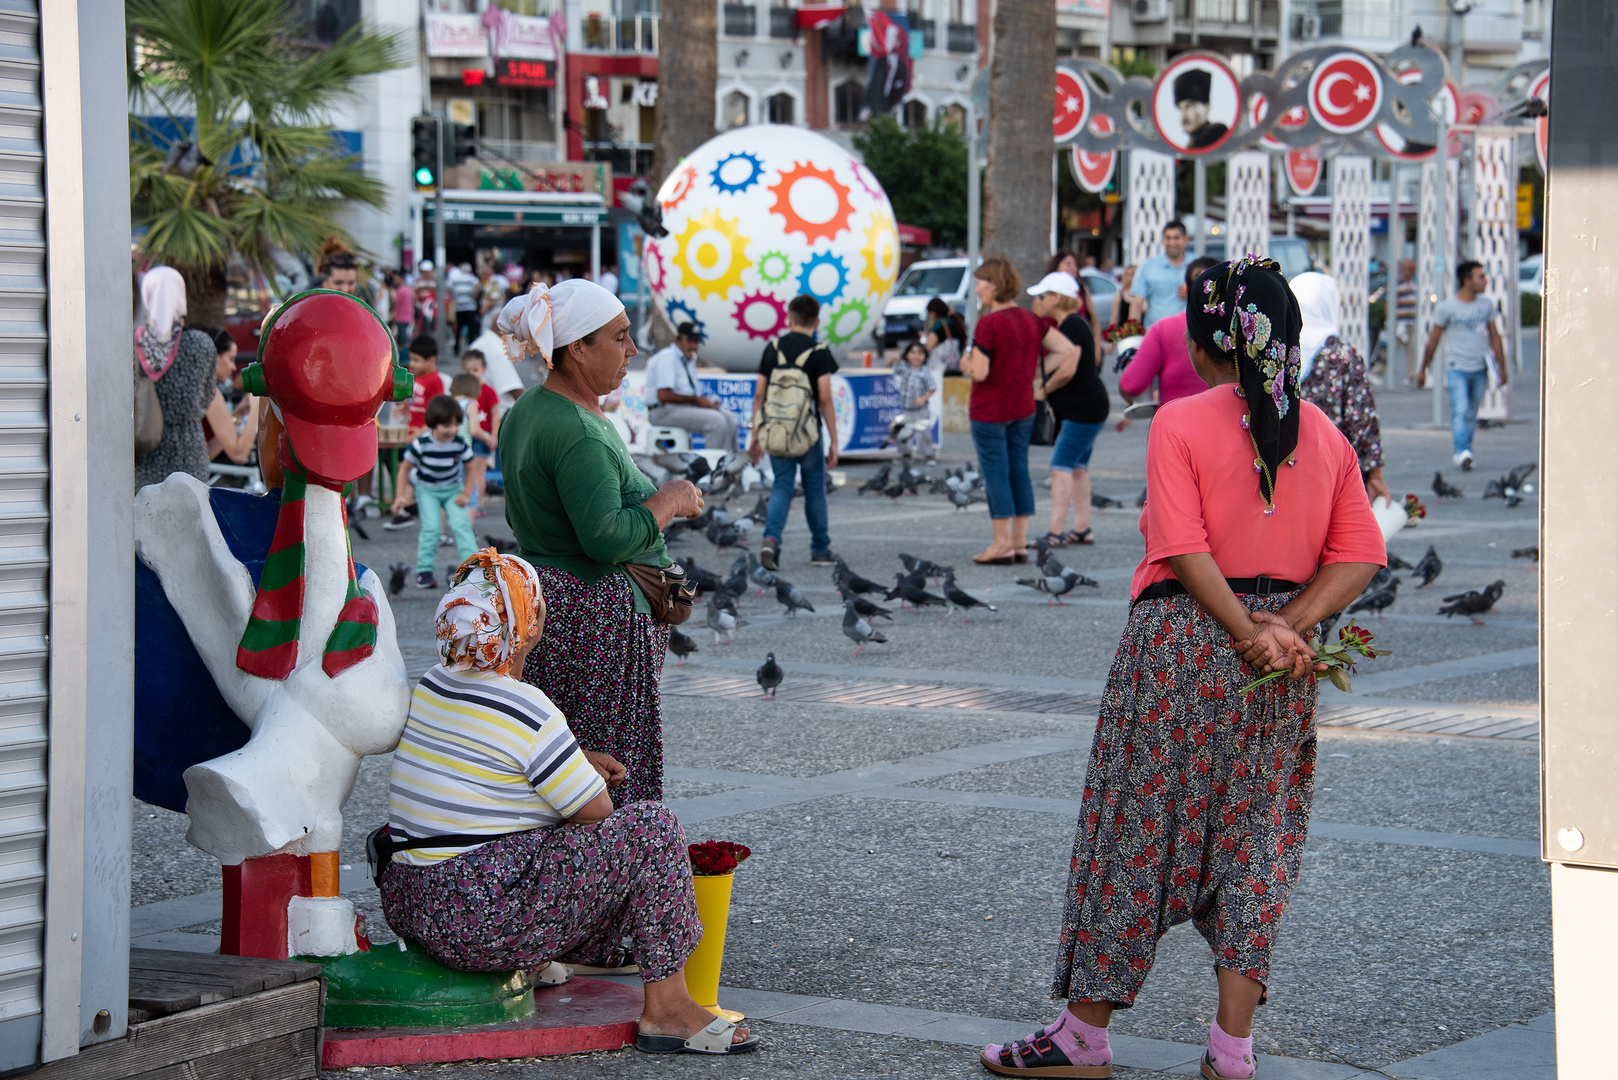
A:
[(715, 857)]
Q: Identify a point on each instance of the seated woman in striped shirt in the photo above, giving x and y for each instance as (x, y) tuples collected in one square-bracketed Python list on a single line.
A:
[(563, 875)]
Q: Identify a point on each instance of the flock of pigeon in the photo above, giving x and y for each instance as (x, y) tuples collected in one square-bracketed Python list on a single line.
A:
[(1511, 487)]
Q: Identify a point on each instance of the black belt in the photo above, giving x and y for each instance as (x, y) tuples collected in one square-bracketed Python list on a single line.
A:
[(1252, 586)]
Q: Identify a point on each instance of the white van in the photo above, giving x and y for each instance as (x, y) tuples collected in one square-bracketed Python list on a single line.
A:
[(905, 315)]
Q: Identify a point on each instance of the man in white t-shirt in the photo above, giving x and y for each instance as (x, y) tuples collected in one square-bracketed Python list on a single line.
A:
[(1467, 319), (674, 397)]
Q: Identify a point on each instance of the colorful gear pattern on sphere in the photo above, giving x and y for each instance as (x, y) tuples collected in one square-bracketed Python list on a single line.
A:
[(881, 253), (860, 173), (655, 274), (688, 260), (806, 272), (676, 187), (717, 176), (679, 311), (836, 337), (781, 192), (778, 309), (770, 259)]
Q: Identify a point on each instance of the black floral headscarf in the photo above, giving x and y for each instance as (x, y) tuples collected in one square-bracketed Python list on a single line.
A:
[(1245, 313)]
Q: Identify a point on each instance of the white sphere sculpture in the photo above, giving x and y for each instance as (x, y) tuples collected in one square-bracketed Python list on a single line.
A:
[(758, 215)]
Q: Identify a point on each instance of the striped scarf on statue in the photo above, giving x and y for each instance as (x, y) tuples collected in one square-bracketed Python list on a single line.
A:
[(269, 647)]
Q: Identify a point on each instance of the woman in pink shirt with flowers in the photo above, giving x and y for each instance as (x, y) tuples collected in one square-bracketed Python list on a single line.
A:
[(1197, 799)]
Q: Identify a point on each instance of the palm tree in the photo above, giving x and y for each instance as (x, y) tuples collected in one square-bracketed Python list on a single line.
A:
[(1022, 95), (688, 42), (257, 167)]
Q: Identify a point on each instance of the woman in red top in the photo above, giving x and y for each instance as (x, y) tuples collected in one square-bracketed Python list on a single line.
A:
[(1196, 802), (1006, 346)]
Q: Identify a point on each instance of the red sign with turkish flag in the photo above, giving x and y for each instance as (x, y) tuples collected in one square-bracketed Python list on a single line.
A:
[(1345, 93), (1072, 105), (1303, 170), (1094, 171), (1541, 88)]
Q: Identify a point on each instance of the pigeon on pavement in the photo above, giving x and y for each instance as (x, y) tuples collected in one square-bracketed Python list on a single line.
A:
[(864, 606), (877, 482), (1079, 579), (857, 630), (1396, 563), (788, 595), (1474, 603), (723, 620), (763, 578), (914, 592), (704, 581), (680, 644), (724, 536), (1526, 553), (1378, 601), (396, 577), (1445, 490), (1428, 568), (1057, 586), (958, 599), (1105, 502), (769, 674), (846, 578)]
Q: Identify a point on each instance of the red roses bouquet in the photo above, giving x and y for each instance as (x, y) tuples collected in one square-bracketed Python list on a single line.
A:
[(1353, 644), (1116, 333), (715, 858), (1414, 508)]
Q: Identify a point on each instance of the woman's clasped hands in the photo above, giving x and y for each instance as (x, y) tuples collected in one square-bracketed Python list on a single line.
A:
[(1276, 646)]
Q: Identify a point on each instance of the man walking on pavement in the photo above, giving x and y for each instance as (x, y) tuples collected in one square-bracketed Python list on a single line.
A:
[(1469, 317), (1404, 318), (1160, 281), (674, 398)]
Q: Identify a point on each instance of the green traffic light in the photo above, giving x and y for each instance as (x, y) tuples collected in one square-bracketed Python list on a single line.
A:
[(424, 177)]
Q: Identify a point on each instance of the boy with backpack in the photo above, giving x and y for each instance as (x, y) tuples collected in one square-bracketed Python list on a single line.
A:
[(791, 404)]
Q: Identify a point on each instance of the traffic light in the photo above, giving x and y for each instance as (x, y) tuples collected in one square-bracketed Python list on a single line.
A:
[(424, 152), (466, 143)]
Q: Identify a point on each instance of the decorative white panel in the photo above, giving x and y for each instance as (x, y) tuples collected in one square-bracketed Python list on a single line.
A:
[(1247, 205), (1433, 266), (1151, 202), (1351, 244), (1494, 243)]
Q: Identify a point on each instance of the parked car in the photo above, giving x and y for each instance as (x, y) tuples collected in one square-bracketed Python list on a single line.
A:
[(1531, 275), (1102, 288), (1290, 251), (906, 312)]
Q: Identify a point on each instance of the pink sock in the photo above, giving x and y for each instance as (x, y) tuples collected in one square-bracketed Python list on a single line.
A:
[(1231, 1057), (1082, 1043)]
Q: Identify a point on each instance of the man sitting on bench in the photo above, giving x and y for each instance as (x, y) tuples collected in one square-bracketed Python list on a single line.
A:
[(673, 397)]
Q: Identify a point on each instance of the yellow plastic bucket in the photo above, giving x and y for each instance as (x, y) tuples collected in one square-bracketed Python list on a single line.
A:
[(702, 967)]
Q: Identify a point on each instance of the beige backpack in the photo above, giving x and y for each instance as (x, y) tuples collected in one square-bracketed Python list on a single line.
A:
[(790, 427)]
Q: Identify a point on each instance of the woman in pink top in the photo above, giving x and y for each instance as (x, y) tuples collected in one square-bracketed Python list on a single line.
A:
[(1162, 356), (1196, 803)]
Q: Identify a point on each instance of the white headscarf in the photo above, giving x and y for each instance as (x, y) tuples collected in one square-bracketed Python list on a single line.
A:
[(162, 296), (492, 601), (1321, 306), (546, 319)]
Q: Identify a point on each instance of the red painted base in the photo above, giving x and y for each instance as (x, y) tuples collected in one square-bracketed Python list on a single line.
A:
[(598, 1015), (255, 912)]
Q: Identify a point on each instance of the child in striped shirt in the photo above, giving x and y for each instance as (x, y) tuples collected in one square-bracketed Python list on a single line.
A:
[(434, 465)]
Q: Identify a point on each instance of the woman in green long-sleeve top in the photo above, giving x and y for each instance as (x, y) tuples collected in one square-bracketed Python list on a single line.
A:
[(580, 509)]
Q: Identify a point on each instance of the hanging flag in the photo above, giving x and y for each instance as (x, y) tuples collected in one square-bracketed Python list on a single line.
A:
[(887, 76), (1303, 170), (814, 16), (1094, 171)]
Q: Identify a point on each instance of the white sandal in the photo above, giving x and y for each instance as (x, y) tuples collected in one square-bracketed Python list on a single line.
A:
[(713, 1039)]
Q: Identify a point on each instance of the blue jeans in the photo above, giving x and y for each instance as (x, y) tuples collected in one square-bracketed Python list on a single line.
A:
[(813, 466), (1073, 445), (1466, 390), (1003, 461)]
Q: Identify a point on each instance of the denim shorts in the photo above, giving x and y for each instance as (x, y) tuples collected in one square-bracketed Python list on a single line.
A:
[(480, 448), (1073, 445)]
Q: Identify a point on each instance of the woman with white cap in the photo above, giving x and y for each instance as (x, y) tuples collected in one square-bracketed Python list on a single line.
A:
[(1077, 397), (181, 363), (581, 511), (1336, 378)]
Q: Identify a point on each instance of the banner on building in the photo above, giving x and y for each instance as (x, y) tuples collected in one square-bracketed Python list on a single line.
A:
[(521, 36), (887, 77), (456, 35), (814, 16)]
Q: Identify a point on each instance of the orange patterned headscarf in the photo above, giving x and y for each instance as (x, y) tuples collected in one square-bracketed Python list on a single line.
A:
[(492, 602)]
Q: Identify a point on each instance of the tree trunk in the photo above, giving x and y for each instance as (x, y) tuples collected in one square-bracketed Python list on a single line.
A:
[(688, 82), (204, 296), (1022, 96)]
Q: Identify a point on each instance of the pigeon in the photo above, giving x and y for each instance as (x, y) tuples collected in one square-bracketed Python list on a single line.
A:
[(857, 630), (1044, 559), (740, 565), (705, 581), (396, 577), (1378, 579), (681, 645), (769, 674), (735, 586), (1495, 489), (761, 510), (1105, 502), (788, 595), (724, 536), (763, 578), (1057, 586), (914, 593), (961, 499), (504, 547), (900, 581), (722, 619), (1396, 563), (1526, 553), (1518, 477), (1445, 490), (1428, 568), (877, 482), (1473, 603), (1079, 579), (926, 568), (864, 606), (842, 575), (894, 490), (1378, 601), (959, 599)]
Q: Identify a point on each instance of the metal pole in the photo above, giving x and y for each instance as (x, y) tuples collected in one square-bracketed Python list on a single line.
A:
[(1440, 263), (438, 239), (1056, 187), (1199, 174), (974, 200), (595, 252)]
